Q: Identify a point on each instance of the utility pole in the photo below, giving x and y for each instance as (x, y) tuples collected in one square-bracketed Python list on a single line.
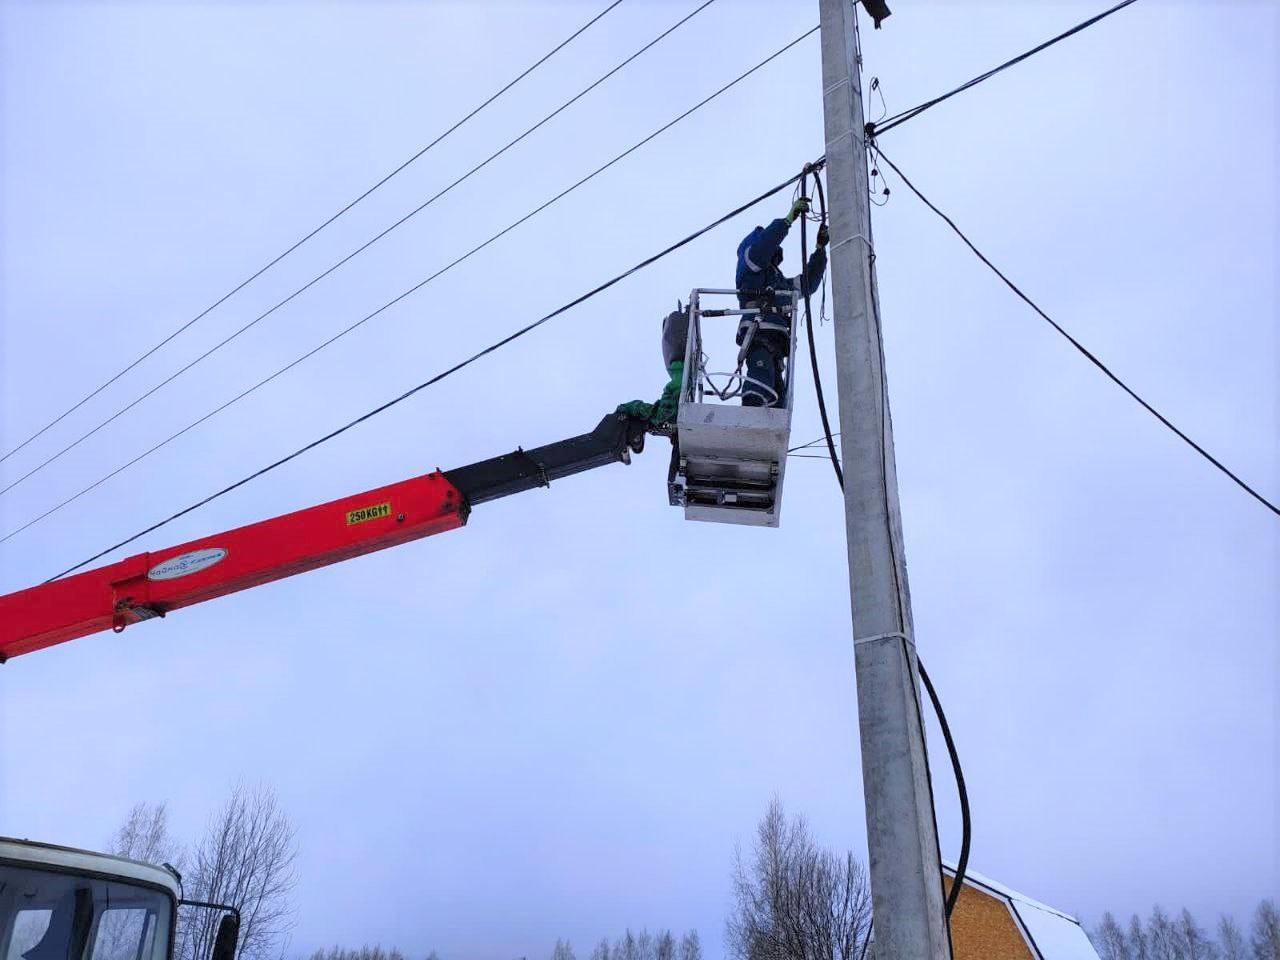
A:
[(906, 886)]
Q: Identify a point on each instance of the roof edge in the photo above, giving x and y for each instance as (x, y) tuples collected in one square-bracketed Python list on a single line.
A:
[(978, 880), (52, 855)]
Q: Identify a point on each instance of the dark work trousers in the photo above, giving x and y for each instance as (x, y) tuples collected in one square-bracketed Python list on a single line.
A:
[(766, 385)]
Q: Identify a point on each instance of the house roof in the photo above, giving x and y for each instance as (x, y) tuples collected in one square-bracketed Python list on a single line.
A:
[(1052, 934)]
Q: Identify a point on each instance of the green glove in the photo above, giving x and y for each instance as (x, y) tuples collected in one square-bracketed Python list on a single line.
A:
[(635, 408), (797, 208), (668, 405)]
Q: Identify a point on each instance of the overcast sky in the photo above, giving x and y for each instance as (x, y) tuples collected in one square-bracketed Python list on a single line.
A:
[(560, 720)]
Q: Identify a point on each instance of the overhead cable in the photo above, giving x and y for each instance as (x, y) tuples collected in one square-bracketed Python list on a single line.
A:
[(812, 443), (875, 129), (411, 290), (1080, 347), (226, 296), (443, 374), (359, 250)]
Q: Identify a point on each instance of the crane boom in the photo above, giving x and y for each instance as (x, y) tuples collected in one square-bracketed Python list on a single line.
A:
[(152, 584)]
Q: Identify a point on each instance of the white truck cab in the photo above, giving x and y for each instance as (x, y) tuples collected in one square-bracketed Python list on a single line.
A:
[(59, 903)]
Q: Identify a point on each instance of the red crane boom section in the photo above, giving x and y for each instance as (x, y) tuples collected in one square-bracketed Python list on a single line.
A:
[(151, 584)]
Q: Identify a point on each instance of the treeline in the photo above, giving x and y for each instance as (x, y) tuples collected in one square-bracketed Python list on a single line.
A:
[(630, 946), (364, 953), (638, 946), (1182, 937)]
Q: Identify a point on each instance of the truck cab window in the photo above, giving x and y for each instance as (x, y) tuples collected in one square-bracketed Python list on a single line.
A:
[(46, 915)]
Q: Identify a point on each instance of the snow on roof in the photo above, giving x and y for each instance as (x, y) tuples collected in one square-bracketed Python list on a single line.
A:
[(1054, 934), (972, 876)]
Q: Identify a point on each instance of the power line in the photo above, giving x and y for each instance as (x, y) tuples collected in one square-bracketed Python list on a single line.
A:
[(406, 293), (1083, 350), (446, 373), (353, 254), (89, 396), (414, 288), (875, 129), (812, 443)]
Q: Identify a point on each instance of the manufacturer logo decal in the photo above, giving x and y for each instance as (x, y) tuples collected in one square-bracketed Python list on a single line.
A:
[(375, 512), (186, 563)]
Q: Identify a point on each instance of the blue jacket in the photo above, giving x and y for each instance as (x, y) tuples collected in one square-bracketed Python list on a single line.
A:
[(757, 269)]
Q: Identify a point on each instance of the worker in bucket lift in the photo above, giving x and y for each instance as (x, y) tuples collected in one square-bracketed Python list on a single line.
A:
[(767, 335), (770, 334)]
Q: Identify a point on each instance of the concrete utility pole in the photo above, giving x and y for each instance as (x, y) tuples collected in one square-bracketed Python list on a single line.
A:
[(906, 888)]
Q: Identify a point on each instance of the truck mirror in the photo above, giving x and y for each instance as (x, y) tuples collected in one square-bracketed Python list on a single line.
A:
[(224, 944)]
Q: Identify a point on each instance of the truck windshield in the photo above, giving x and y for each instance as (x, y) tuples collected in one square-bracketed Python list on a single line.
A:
[(46, 915)]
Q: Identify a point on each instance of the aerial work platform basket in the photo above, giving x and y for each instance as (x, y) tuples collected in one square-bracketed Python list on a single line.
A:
[(731, 458)]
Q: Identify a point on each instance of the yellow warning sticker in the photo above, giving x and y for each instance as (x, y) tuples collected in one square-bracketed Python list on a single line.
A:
[(368, 513)]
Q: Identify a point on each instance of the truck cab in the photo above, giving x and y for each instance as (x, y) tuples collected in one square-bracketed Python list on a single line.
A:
[(59, 903)]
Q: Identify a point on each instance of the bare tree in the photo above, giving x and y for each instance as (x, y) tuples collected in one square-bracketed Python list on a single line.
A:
[(1266, 932), (794, 900), (363, 953), (1162, 938), (601, 952), (664, 946), (1190, 939), (563, 950), (1108, 939), (1139, 945), (690, 947), (245, 859), (1230, 940), (144, 836)]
